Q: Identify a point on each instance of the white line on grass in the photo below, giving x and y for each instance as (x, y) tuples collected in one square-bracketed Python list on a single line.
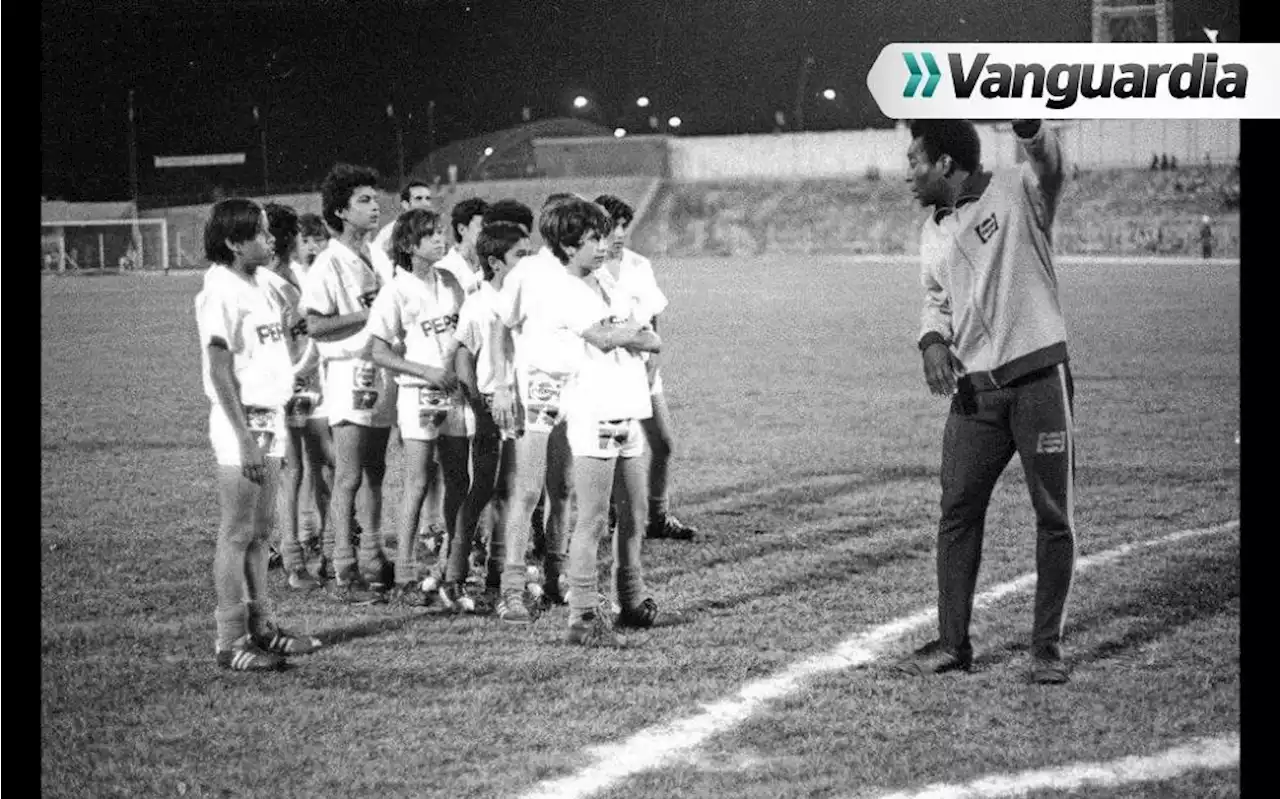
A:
[(667, 743), (1209, 753)]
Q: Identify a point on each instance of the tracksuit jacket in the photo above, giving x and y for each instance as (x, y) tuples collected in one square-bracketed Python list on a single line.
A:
[(994, 298)]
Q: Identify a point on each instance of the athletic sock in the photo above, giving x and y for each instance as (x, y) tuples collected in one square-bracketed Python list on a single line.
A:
[(232, 625)]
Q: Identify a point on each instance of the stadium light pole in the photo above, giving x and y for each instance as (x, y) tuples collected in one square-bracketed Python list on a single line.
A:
[(133, 170), (262, 136), (805, 65), (395, 120)]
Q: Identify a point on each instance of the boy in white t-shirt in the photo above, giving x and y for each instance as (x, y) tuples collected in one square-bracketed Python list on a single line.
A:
[(415, 194), (246, 372), (605, 404), (464, 226), (634, 276), (280, 280), (500, 247), (360, 396), (549, 316), (421, 307), (317, 442)]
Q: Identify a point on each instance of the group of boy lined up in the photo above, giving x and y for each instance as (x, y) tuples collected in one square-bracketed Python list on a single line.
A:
[(520, 377)]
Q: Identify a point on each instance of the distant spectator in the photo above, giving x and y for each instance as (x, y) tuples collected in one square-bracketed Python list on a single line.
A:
[(1173, 163), (1164, 162), (1155, 162), (1206, 237)]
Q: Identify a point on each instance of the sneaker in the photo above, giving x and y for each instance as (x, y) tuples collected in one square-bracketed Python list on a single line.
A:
[(430, 584), (511, 609), (302, 580), (350, 587), (274, 559), (593, 630), (279, 641), (645, 616), (1049, 671), (245, 655), (410, 595), (933, 659), (669, 526), (454, 597)]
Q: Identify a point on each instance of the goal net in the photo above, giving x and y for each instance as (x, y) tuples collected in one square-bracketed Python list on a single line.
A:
[(112, 244)]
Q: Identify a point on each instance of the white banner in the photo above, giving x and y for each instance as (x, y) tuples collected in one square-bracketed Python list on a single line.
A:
[(198, 160), (1054, 80)]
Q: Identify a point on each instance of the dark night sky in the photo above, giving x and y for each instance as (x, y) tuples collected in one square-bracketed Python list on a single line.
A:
[(323, 71)]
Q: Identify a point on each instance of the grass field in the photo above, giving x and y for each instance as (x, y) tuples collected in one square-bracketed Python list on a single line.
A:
[(808, 454)]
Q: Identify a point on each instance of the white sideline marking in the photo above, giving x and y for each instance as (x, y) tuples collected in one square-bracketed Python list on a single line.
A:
[(1198, 754), (666, 743)]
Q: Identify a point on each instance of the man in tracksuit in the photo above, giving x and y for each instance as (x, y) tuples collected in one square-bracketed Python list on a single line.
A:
[(994, 340)]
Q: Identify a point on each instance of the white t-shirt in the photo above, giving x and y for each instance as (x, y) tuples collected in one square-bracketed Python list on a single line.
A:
[(340, 282), (544, 322), (422, 312), (288, 296), (470, 279), (379, 253), (476, 330), (636, 280), (250, 320), (608, 385)]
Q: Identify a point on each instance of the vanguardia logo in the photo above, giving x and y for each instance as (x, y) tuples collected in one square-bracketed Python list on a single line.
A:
[(914, 69), (1066, 83), (1078, 80)]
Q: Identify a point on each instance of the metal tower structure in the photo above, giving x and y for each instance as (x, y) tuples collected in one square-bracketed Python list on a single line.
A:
[(1133, 20)]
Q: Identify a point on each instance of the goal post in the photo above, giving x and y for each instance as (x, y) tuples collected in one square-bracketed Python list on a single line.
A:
[(113, 244)]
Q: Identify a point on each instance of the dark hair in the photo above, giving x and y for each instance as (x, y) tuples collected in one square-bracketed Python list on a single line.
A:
[(619, 211), (464, 212), (341, 182), (237, 220), (312, 226), (560, 196), (957, 138), (510, 210), (410, 227), (565, 223), (408, 189), (496, 240), (283, 222)]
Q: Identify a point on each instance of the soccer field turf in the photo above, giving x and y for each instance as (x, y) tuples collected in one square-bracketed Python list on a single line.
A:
[(807, 452)]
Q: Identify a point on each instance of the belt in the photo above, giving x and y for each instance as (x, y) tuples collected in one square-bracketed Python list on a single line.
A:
[(987, 381)]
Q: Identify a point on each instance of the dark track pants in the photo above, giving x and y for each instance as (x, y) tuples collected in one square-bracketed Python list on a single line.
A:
[(1032, 417)]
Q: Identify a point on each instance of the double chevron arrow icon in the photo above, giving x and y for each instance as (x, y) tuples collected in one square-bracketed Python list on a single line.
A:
[(914, 69)]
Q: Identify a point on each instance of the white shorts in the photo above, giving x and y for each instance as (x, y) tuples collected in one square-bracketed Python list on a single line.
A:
[(266, 424), (425, 414), (304, 403), (618, 438), (540, 394), (360, 392)]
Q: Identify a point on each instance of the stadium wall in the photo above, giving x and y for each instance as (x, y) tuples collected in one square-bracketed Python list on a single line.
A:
[(1087, 143)]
